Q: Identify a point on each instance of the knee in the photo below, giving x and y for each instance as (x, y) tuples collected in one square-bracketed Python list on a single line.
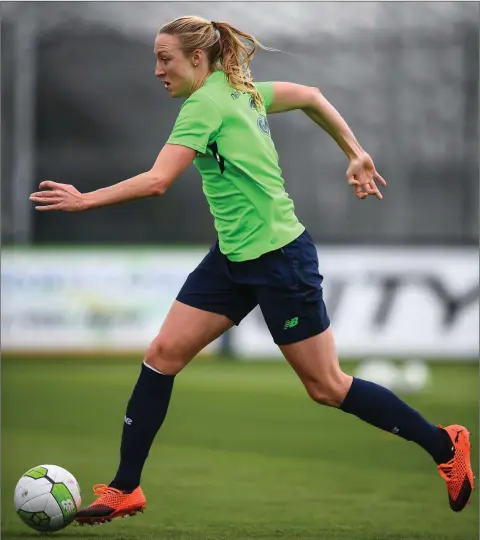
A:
[(331, 391), (163, 356)]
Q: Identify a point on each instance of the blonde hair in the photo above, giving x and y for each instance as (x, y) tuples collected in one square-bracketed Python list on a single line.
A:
[(226, 47)]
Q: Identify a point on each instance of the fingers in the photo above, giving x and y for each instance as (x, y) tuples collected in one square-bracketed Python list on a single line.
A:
[(47, 200), (44, 194), (46, 207), (352, 181), (46, 197), (358, 188), (56, 196), (359, 192), (372, 189), (363, 179), (49, 184), (362, 191), (380, 179), (365, 185)]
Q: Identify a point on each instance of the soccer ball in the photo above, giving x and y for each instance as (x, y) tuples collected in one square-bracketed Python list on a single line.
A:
[(47, 498), (380, 371), (416, 375)]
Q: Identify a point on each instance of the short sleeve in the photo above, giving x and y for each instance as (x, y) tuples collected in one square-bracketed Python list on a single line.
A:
[(197, 125), (266, 91)]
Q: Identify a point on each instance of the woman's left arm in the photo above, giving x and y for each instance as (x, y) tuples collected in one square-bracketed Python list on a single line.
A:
[(170, 163)]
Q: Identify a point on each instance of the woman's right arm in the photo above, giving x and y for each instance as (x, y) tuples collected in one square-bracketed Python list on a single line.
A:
[(361, 172)]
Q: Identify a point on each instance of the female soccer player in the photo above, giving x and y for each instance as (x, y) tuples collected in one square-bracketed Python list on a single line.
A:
[(263, 254)]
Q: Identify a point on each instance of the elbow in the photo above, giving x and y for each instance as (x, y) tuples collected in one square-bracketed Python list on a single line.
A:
[(159, 190), (313, 94), (159, 186)]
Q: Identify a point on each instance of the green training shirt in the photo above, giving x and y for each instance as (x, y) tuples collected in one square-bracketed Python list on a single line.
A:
[(237, 160)]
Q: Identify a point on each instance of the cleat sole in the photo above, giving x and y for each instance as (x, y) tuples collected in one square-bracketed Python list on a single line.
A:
[(107, 519)]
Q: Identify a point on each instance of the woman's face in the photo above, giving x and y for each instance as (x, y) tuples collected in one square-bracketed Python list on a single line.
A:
[(176, 70)]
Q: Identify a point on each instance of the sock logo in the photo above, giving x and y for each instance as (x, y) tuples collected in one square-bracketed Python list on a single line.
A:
[(128, 421), (395, 430)]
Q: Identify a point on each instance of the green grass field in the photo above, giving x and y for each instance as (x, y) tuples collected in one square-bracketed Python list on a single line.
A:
[(243, 454)]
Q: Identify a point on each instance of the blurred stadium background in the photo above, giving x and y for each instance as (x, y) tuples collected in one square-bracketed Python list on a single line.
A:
[(80, 105)]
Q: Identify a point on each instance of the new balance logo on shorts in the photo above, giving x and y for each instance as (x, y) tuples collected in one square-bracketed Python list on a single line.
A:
[(290, 323)]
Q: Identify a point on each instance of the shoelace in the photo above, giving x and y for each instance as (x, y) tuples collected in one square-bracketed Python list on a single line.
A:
[(103, 489)]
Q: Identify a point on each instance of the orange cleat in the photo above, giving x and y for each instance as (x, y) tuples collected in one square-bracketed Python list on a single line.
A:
[(111, 503), (457, 472)]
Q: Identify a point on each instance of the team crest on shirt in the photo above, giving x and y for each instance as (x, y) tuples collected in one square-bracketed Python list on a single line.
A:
[(237, 94), (262, 123)]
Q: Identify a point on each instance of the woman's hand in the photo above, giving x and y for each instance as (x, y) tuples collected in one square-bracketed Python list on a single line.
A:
[(361, 174), (55, 196)]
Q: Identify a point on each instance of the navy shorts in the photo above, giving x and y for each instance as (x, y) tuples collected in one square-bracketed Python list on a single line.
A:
[(285, 283)]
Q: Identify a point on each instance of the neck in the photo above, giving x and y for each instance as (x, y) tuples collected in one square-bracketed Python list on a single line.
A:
[(200, 82)]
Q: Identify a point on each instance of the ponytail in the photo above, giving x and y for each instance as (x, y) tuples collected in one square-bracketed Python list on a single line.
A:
[(237, 50)]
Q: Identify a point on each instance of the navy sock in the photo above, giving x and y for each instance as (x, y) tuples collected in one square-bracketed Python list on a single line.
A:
[(383, 409), (145, 414)]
